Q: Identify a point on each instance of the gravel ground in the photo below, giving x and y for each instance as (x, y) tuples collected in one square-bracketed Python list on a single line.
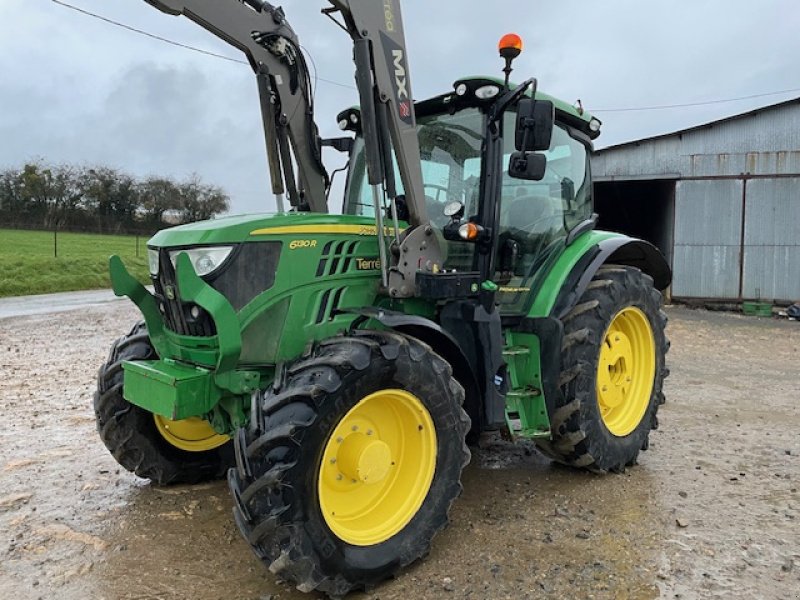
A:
[(712, 511)]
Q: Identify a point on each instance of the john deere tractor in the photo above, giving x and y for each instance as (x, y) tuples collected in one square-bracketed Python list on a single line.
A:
[(334, 366)]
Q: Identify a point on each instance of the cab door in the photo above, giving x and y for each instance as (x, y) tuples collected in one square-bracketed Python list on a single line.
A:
[(537, 216)]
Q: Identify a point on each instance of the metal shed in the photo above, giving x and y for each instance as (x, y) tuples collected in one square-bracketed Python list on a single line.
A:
[(721, 200)]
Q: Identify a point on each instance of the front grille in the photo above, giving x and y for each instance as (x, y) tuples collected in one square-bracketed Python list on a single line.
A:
[(336, 258), (329, 302), (177, 314), (248, 271)]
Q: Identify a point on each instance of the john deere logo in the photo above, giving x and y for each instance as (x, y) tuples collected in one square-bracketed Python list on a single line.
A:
[(368, 264), (170, 292)]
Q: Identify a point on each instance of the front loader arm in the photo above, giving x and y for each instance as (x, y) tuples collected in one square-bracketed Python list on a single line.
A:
[(390, 133), (379, 27), (261, 31)]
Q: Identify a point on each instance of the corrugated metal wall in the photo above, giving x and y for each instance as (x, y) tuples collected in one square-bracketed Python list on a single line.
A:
[(772, 239), (757, 154), (708, 225)]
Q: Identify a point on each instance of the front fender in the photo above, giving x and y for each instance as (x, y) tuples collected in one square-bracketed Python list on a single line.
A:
[(442, 342)]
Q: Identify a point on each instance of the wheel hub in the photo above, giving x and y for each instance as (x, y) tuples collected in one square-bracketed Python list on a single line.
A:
[(626, 371), (363, 459), (614, 374)]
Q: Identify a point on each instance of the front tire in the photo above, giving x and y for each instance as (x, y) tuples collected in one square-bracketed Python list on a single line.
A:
[(352, 462), (153, 447), (612, 373)]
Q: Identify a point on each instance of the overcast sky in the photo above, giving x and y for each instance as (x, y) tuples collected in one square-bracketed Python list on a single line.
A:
[(77, 90)]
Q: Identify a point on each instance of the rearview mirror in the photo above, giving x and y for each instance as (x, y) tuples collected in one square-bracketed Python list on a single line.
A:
[(527, 165), (535, 119)]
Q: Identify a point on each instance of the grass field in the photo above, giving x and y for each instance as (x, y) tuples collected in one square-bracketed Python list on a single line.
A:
[(28, 265)]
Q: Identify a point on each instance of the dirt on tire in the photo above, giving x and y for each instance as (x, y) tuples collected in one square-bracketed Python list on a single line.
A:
[(580, 438), (275, 483), (130, 434)]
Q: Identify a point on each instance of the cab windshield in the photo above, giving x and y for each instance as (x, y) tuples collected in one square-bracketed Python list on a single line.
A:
[(535, 216), (450, 149)]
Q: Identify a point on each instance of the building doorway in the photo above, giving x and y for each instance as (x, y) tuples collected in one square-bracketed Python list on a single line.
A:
[(640, 209)]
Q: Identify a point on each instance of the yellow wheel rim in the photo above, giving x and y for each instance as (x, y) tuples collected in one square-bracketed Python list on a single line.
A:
[(377, 467), (193, 434), (626, 371)]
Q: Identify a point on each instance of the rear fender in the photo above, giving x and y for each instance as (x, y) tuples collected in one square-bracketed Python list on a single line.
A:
[(618, 250)]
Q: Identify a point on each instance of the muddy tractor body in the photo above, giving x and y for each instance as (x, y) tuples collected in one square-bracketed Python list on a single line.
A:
[(338, 364)]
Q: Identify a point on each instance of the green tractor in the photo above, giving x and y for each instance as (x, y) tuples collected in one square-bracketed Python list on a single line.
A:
[(335, 366)]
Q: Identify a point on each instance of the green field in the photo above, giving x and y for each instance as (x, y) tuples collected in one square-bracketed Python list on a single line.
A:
[(28, 265)]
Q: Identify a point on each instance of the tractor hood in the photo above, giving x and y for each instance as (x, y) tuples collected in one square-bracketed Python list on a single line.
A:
[(250, 228), (225, 291)]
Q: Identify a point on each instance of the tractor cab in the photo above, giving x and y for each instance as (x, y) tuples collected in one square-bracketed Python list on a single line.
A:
[(538, 218)]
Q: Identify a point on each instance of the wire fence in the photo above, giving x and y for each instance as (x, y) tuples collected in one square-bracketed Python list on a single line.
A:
[(74, 242)]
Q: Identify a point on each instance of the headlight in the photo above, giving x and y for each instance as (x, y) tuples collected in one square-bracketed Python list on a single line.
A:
[(152, 259), (487, 92), (204, 260)]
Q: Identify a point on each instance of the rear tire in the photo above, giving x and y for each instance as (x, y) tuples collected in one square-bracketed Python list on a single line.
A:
[(130, 432), (585, 431), (280, 486)]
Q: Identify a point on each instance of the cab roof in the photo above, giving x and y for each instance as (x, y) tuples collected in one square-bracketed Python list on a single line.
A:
[(572, 116)]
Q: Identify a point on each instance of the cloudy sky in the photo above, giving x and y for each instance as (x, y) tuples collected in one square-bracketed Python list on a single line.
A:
[(77, 90)]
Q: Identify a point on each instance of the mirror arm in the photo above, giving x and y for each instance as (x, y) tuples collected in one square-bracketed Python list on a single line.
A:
[(510, 98)]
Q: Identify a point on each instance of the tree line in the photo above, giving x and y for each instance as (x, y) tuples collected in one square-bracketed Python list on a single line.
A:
[(102, 200)]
